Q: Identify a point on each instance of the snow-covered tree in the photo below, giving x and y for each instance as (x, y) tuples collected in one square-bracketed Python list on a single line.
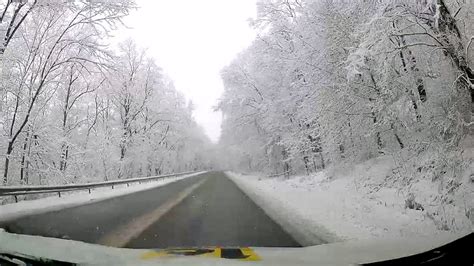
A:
[(344, 81), (74, 109)]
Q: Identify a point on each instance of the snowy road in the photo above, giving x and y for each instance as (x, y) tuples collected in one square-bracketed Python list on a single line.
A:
[(206, 210)]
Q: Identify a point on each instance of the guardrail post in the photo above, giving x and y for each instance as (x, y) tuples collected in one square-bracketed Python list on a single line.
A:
[(89, 191), (112, 186), (59, 193), (128, 184), (16, 198)]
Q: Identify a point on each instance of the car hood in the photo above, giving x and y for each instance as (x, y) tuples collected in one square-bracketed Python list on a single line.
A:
[(340, 253)]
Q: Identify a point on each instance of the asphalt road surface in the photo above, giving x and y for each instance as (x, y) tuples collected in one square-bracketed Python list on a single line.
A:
[(204, 210)]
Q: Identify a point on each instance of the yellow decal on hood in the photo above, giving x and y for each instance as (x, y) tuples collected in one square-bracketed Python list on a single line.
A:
[(225, 253)]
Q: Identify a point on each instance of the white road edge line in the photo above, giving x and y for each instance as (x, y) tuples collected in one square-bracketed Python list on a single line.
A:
[(125, 233)]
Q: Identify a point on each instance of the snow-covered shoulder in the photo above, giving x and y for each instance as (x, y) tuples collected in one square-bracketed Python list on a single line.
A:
[(344, 203)]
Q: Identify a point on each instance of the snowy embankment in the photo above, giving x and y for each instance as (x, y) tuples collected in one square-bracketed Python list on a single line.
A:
[(342, 204), (77, 198)]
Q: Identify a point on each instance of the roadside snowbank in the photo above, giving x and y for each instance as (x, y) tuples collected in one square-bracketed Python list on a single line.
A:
[(349, 203), (76, 198)]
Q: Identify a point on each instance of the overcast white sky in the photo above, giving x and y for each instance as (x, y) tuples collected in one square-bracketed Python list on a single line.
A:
[(192, 40)]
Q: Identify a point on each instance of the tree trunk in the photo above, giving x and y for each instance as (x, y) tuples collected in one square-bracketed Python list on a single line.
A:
[(306, 160), (378, 139), (7, 162), (24, 163), (64, 156), (104, 164), (447, 26), (286, 165), (404, 62), (395, 134), (420, 85), (314, 165), (323, 165)]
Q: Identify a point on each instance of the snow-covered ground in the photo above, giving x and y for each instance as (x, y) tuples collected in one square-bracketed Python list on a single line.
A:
[(346, 203), (76, 198)]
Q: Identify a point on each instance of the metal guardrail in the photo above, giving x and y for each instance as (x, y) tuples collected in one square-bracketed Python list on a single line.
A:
[(280, 174), (25, 190)]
